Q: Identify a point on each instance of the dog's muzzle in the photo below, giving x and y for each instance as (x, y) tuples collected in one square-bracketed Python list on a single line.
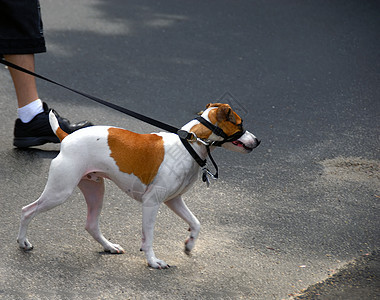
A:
[(256, 143)]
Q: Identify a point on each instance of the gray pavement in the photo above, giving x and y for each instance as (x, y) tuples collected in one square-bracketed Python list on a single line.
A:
[(301, 207)]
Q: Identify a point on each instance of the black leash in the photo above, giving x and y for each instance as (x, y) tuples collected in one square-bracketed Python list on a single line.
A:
[(183, 135), (136, 115)]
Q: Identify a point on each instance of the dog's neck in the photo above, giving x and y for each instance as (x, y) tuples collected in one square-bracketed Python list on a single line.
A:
[(198, 147)]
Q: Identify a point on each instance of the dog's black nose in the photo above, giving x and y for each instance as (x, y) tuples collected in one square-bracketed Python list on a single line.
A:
[(257, 142)]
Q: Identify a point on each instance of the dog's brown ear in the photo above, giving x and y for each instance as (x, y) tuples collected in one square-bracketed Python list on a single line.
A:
[(224, 113), (213, 105), (232, 116)]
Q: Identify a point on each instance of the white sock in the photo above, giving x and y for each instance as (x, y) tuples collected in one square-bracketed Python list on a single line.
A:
[(29, 111)]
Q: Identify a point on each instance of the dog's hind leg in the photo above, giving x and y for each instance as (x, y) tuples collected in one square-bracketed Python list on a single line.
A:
[(93, 191), (180, 208), (58, 188)]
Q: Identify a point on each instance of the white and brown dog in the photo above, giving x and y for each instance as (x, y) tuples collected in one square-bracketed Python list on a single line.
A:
[(151, 168)]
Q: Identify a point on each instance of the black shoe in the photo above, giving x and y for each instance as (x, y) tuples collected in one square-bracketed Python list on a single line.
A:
[(38, 131)]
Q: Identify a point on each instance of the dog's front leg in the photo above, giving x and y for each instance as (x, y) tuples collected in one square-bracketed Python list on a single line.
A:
[(148, 220), (181, 209)]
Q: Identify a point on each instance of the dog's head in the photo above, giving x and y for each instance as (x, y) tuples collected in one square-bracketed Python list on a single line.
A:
[(227, 130)]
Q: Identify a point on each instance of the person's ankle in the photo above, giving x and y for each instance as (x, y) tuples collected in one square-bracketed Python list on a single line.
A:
[(29, 111)]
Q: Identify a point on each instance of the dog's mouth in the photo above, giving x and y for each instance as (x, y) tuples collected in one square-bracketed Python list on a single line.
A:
[(240, 144)]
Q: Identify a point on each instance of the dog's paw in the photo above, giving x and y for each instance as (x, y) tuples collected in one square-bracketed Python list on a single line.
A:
[(158, 264), (25, 245), (189, 245), (114, 249)]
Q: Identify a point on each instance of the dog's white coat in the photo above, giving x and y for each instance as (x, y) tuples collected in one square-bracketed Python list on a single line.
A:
[(84, 161)]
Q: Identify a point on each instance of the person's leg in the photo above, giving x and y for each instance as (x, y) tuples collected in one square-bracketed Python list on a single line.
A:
[(29, 105), (25, 84), (32, 127), (21, 36)]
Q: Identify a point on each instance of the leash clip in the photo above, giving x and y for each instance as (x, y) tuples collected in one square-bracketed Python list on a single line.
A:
[(202, 141), (205, 176), (195, 138)]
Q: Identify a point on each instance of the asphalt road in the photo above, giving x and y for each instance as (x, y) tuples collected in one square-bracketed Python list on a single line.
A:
[(305, 204)]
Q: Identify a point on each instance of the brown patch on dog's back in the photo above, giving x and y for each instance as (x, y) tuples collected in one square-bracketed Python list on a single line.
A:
[(138, 154)]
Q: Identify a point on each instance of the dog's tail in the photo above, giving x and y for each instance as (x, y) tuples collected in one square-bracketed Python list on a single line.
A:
[(55, 126)]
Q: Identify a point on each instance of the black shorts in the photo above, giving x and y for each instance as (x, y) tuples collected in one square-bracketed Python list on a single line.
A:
[(21, 27)]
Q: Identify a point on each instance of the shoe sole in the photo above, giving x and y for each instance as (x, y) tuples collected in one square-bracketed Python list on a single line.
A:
[(25, 142)]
